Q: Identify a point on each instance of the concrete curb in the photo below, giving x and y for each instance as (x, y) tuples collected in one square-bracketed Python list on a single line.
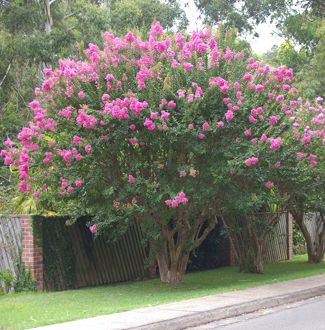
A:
[(200, 318)]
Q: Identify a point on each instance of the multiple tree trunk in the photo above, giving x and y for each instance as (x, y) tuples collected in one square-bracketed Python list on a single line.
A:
[(248, 237), (314, 236), (177, 240)]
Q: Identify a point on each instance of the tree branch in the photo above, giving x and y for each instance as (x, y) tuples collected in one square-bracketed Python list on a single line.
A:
[(5, 76)]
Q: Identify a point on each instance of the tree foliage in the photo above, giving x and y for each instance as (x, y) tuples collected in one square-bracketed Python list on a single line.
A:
[(164, 131)]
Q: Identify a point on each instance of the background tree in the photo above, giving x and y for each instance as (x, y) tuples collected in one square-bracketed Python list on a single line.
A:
[(139, 14)]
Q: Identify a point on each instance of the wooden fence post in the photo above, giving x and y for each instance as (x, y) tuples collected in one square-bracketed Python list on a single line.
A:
[(32, 255), (289, 236)]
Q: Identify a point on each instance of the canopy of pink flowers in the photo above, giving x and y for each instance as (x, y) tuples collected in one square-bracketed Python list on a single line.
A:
[(105, 88)]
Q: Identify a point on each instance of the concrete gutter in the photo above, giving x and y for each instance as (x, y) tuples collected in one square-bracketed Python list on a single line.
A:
[(198, 311)]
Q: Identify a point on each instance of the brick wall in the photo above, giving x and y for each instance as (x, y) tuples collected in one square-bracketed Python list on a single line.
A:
[(32, 255)]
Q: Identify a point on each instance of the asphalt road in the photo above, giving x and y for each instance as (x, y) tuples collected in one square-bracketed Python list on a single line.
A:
[(305, 315)]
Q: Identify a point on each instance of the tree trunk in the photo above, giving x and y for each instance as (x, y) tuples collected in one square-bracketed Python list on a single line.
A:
[(247, 245), (171, 270), (48, 16), (316, 247), (258, 260)]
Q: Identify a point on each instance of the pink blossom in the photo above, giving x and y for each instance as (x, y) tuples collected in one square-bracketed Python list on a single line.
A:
[(187, 66), (248, 76), (174, 203), (269, 185), (78, 183), (190, 126), (251, 161), (153, 115), (132, 127), (182, 173), (37, 195), (64, 183), (273, 120), (156, 30), (306, 139), (78, 156), (201, 136), (105, 97), (81, 95), (259, 88), (181, 93), (70, 189), (8, 143), (205, 126), (23, 186), (164, 115), (264, 137), (275, 143), (247, 132), (151, 126), (76, 139), (171, 104), (251, 119), (133, 141), (237, 85), (277, 164), (229, 115), (220, 123), (180, 198), (280, 98), (66, 112), (301, 155), (190, 98), (93, 228), (131, 178), (48, 156), (88, 148)]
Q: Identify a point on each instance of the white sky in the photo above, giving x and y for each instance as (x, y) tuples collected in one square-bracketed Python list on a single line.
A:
[(260, 45)]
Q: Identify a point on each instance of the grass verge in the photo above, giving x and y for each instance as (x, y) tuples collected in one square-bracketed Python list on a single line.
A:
[(31, 309)]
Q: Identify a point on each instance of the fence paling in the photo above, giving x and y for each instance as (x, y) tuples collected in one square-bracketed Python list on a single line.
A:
[(102, 262), (276, 244), (10, 242)]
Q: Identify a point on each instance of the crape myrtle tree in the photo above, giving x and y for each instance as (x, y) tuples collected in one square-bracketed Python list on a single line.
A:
[(154, 131), (294, 181), (306, 184)]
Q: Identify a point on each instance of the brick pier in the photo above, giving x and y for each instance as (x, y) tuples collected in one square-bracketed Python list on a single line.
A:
[(32, 255)]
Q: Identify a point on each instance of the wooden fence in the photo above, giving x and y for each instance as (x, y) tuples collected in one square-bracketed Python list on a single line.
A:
[(279, 242), (73, 258), (10, 242)]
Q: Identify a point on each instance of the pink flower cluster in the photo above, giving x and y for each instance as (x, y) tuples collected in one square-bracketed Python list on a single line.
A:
[(180, 198), (251, 161)]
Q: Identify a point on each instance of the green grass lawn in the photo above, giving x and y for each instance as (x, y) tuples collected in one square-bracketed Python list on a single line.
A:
[(24, 310)]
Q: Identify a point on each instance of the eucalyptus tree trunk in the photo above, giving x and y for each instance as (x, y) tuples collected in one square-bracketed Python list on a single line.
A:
[(48, 22)]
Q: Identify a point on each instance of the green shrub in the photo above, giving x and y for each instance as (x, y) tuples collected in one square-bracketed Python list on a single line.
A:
[(24, 280), (6, 276), (299, 243)]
